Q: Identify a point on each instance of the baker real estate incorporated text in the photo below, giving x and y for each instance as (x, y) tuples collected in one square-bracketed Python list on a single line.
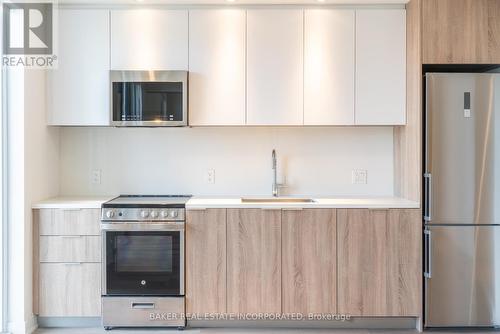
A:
[(249, 316)]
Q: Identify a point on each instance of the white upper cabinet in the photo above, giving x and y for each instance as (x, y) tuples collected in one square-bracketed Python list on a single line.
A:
[(275, 67), (78, 89), (217, 67), (329, 67), (380, 67), (149, 39)]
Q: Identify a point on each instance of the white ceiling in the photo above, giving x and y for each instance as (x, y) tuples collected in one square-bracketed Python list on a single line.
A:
[(235, 2)]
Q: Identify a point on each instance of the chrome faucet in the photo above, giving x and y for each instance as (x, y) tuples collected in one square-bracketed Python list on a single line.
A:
[(275, 172)]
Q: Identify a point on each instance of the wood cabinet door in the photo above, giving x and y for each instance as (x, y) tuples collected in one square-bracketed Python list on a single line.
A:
[(275, 75), (68, 221), (329, 67), (78, 89), (309, 261), (461, 31), (70, 248), (70, 290), (217, 67), (149, 39), (379, 262), (206, 261), (253, 261), (380, 67)]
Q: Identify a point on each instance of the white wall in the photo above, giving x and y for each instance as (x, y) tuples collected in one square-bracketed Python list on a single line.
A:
[(33, 164), (315, 161), (41, 158)]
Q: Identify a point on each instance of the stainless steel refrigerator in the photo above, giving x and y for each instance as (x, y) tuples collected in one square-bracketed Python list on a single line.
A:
[(462, 200)]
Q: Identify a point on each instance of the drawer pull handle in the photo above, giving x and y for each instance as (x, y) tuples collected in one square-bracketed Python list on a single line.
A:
[(143, 306), (72, 263)]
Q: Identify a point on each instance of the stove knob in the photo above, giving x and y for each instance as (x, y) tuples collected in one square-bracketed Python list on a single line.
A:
[(110, 214), (144, 214), (173, 213), (154, 214), (164, 214)]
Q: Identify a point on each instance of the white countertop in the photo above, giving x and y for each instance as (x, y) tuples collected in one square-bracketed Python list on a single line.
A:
[(69, 202), (352, 203)]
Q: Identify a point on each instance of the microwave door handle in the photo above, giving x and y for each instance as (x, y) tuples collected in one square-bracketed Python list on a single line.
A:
[(164, 106)]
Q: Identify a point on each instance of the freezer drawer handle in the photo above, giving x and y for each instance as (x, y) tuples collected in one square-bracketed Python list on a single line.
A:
[(428, 254), (428, 197), (143, 305)]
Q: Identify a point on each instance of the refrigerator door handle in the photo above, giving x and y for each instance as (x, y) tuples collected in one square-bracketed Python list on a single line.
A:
[(428, 197), (427, 254)]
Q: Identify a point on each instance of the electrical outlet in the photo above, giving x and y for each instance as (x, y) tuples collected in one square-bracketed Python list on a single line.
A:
[(359, 176), (210, 176), (96, 176)]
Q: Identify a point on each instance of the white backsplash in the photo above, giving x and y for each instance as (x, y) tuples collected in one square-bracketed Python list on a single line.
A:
[(314, 161)]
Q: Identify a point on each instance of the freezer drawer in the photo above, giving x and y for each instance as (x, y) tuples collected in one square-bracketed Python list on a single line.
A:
[(462, 288)]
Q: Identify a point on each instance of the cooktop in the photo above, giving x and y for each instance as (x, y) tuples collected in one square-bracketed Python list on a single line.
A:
[(147, 201)]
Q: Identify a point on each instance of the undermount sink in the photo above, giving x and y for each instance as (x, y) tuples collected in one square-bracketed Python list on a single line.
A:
[(277, 200)]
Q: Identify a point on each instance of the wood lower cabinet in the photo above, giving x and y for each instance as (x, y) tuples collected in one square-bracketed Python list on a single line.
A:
[(71, 248), (68, 221), (70, 290), (379, 262), (206, 261), (309, 261), (67, 263), (253, 261)]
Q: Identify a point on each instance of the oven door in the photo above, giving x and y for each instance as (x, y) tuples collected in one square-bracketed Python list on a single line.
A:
[(143, 262), (143, 98)]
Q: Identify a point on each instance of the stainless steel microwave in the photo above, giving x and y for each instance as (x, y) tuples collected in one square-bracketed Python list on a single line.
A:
[(149, 98)]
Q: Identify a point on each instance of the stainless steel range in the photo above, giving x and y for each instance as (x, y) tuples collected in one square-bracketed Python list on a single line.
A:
[(143, 261)]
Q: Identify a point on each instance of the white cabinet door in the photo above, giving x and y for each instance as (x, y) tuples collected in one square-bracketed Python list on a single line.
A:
[(149, 39), (380, 67), (78, 89), (329, 67), (275, 67), (217, 67)]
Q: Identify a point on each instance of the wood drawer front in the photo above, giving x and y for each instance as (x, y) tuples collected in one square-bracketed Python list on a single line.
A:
[(70, 290), (68, 221), (70, 249)]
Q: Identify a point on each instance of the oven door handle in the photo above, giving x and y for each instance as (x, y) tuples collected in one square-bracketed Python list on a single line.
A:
[(171, 226)]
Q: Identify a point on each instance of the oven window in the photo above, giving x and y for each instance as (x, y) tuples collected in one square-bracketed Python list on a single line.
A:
[(142, 253), (143, 263), (147, 101)]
